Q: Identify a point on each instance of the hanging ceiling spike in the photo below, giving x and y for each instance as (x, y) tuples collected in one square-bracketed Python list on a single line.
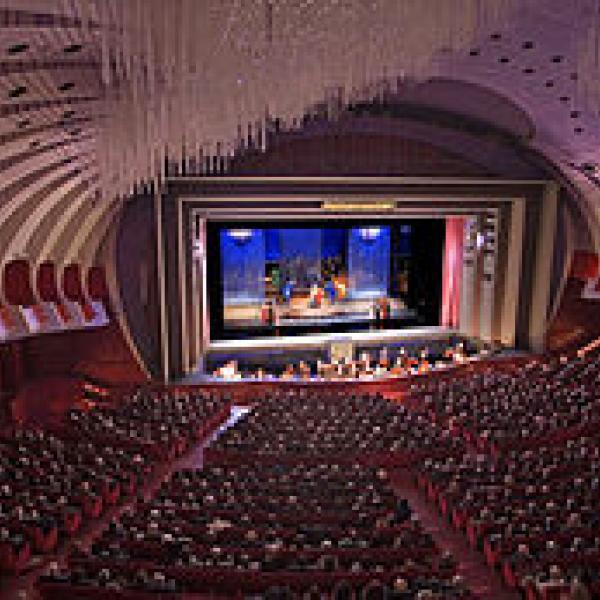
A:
[(173, 71)]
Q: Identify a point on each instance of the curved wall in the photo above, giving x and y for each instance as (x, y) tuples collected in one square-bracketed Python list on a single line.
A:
[(137, 277)]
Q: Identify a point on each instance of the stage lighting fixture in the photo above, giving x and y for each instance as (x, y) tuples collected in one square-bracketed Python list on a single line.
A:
[(480, 240), (197, 249), (241, 236), (369, 234)]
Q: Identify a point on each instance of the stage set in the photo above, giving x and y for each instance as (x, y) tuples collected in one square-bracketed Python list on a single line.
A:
[(260, 275), (320, 276)]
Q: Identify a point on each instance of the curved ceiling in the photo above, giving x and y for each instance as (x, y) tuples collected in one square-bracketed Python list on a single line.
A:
[(95, 93)]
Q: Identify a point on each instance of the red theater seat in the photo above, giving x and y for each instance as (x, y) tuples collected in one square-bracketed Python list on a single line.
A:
[(13, 558), (17, 283), (47, 288), (46, 283), (73, 290), (96, 284)]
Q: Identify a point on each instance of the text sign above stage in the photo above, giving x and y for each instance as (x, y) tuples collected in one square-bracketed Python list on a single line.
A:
[(372, 206)]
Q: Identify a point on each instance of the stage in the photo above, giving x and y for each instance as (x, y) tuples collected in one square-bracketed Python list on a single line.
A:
[(299, 312)]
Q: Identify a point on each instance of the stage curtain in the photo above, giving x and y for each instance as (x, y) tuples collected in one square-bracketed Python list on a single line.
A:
[(452, 273)]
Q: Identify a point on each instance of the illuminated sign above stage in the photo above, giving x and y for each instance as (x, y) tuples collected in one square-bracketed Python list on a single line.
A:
[(359, 205)]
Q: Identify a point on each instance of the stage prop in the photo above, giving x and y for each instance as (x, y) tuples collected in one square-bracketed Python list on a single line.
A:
[(369, 262), (300, 257)]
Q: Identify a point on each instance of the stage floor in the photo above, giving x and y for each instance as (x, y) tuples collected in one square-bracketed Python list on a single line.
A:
[(298, 312)]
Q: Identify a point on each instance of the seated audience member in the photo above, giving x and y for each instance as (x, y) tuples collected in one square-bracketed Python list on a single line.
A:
[(374, 590), (342, 591)]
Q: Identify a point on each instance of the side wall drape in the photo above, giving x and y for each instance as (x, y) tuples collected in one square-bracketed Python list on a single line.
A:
[(451, 284)]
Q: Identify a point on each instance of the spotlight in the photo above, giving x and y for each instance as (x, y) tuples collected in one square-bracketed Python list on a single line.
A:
[(369, 234), (241, 236), (480, 240)]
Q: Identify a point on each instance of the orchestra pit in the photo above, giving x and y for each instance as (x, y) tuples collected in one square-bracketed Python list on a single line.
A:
[(299, 299)]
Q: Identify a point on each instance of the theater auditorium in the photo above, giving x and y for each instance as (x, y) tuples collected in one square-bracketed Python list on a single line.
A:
[(299, 299)]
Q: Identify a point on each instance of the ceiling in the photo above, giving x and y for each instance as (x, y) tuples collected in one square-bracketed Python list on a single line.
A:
[(95, 93)]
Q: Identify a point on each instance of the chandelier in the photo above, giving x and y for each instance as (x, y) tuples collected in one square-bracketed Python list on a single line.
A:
[(184, 78)]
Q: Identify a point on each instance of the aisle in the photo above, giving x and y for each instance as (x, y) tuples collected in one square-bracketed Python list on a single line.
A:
[(195, 458), (487, 584)]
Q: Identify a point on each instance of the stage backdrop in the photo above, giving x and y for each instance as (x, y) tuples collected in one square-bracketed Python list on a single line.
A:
[(369, 262), (243, 265), (300, 255), (249, 262)]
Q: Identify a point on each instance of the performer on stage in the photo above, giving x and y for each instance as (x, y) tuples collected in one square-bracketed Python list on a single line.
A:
[(288, 289), (330, 290), (374, 312), (269, 313), (384, 360), (265, 313), (316, 296), (384, 308)]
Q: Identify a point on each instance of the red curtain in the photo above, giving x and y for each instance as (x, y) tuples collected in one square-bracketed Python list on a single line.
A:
[(452, 271)]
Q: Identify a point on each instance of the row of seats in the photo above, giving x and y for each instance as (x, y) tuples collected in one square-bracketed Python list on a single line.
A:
[(36, 300), (161, 424), (329, 529), (539, 401), (281, 509), (301, 424), (527, 492), (52, 481)]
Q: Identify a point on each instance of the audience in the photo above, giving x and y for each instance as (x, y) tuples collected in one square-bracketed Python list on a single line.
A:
[(297, 516), (53, 480), (529, 493), (310, 528), (299, 423), (510, 408), (296, 500)]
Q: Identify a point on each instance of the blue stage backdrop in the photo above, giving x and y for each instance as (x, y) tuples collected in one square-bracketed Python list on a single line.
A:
[(243, 265), (334, 242), (369, 261), (300, 255)]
